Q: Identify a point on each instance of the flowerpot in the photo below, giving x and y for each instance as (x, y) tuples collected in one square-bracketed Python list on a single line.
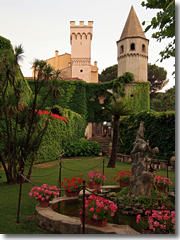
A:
[(163, 189), (43, 203), (94, 185), (72, 194), (87, 220), (94, 222), (123, 184), (148, 231), (98, 223)]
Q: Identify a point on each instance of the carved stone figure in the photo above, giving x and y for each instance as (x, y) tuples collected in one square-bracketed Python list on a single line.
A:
[(142, 181)]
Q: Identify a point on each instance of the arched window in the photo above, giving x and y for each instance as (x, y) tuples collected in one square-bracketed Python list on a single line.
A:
[(143, 48), (121, 49), (132, 46)]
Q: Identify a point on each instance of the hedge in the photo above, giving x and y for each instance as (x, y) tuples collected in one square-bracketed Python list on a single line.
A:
[(159, 130), (59, 136)]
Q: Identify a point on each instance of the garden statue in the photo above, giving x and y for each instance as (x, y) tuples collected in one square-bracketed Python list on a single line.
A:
[(142, 181)]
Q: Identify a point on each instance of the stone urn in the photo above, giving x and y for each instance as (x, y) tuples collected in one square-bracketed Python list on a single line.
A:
[(172, 162)]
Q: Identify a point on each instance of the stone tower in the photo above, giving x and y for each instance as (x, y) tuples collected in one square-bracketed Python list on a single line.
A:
[(132, 49), (80, 37)]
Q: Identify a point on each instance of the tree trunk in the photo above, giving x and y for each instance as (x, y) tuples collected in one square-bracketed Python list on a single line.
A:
[(112, 160)]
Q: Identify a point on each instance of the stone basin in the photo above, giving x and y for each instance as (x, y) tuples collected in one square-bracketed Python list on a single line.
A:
[(52, 221)]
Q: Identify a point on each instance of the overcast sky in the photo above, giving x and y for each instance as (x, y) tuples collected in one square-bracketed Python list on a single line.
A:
[(43, 26)]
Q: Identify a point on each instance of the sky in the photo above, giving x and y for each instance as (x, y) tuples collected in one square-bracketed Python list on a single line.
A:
[(43, 26)]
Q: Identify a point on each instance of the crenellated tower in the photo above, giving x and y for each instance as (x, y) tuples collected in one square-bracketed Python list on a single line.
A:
[(80, 37), (132, 49)]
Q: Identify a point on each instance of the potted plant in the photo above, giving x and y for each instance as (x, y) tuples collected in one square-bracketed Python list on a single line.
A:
[(44, 194), (123, 178), (98, 210), (72, 186), (157, 222), (95, 178), (163, 183)]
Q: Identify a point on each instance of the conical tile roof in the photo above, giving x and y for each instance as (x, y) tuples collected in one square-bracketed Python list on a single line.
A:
[(132, 27)]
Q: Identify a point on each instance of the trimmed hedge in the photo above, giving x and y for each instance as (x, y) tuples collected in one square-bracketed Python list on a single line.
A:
[(59, 136), (83, 148), (159, 130)]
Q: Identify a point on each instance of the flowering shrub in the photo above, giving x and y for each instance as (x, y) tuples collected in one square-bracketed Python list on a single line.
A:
[(95, 176), (40, 112), (99, 208), (72, 183), (163, 181), (159, 221), (123, 176), (44, 193)]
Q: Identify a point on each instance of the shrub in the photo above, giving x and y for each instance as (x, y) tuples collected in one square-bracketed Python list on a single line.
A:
[(159, 130), (83, 148)]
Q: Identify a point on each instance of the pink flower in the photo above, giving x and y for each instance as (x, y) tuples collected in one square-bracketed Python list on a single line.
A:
[(47, 197), (112, 214), (95, 216), (156, 224), (165, 217), (42, 199), (173, 220), (91, 209)]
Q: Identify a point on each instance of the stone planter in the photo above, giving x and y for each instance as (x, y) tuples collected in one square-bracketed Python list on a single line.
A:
[(123, 184), (94, 185), (72, 194), (43, 204)]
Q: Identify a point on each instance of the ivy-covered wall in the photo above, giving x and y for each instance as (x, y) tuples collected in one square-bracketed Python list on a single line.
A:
[(159, 130), (83, 98)]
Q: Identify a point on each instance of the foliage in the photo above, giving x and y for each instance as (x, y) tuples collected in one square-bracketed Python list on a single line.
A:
[(20, 130), (116, 109), (157, 199), (157, 77), (159, 130), (44, 193), (109, 74), (123, 176), (164, 22), (95, 176), (74, 96), (60, 136), (99, 208), (5, 44), (162, 222), (73, 184), (163, 181), (162, 102), (83, 148), (83, 98)]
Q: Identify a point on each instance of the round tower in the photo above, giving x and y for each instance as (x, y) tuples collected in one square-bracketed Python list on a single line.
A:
[(81, 36), (132, 49)]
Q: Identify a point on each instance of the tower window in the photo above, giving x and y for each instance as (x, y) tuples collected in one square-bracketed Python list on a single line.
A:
[(121, 49), (81, 70), (132, 46), (143, 48)]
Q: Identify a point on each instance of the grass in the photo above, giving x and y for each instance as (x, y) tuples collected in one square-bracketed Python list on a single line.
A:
[(9, 194)]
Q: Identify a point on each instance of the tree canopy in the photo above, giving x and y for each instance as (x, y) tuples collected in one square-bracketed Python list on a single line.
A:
[(164, 21), (156, 76), (163, 101)]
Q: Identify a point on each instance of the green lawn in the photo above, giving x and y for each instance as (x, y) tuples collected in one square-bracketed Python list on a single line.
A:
[(9, 194)]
